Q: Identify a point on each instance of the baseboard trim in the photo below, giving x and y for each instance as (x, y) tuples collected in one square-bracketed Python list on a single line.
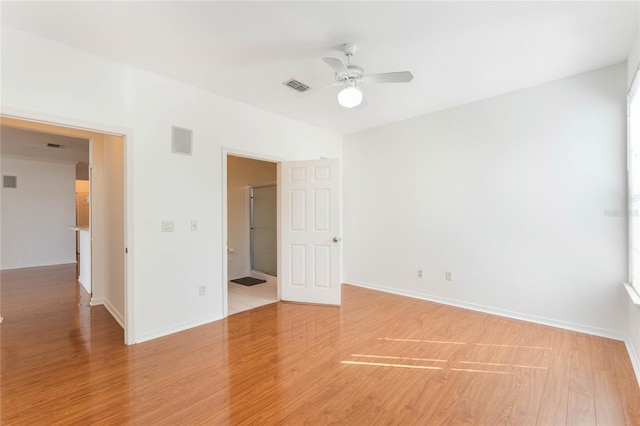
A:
[(144, 337), (9, 268), (237, 276), (117, 315), (610, 334), (95, 301), (635, 360), (114, 313)]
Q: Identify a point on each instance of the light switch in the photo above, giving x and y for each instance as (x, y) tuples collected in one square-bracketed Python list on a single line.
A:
[(194, 225), (167, 226)]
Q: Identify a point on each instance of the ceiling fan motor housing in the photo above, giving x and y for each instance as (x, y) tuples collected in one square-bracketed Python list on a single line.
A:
[(355, 74), (349, 48)]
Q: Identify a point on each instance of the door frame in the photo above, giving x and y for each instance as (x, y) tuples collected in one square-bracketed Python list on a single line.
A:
[(226, 151), (127, 134)]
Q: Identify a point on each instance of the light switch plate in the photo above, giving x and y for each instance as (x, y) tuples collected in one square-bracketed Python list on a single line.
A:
[(194, 225)]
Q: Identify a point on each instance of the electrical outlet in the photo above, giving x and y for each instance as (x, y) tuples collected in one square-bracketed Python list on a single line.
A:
[(419, 273), (203, 290), (167, 226), (448, 277)]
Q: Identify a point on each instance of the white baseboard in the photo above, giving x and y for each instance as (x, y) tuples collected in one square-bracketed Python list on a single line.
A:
[(610, 334), (117, 315), (635, 360), (143, 337), (8, 268), (114, 313)]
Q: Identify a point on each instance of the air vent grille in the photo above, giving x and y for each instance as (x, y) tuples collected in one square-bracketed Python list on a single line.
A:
[(181, 140), (296, 85), (9, 181)]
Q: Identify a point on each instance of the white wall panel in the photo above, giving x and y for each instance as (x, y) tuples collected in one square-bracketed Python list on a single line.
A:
[(36, 214), (521, 197)]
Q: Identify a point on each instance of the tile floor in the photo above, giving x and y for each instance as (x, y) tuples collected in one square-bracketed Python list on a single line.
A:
[(243, 298)]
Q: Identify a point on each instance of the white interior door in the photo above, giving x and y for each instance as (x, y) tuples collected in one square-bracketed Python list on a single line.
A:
[(310, 231)]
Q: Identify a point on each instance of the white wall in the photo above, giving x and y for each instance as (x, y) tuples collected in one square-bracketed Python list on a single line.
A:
[(509, 194), (242, 173), (35, 216), (633, 311), (166, 269), (114, 156), (107, 224)]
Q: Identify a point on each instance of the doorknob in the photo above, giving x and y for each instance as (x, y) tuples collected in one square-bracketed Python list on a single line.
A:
[(336, 239)]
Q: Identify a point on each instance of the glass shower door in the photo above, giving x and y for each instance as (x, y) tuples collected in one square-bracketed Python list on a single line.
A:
[(263, 238)]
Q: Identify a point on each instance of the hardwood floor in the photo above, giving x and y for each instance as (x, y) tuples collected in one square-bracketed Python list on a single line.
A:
[(378, 359)]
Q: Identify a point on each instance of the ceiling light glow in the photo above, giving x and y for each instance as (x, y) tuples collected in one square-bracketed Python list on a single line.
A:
[(350, 97)]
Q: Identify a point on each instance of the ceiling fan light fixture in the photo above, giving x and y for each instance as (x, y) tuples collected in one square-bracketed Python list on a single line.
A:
[(350, 97)]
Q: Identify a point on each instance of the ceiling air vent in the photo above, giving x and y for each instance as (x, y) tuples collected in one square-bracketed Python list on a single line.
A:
[(296, 85), (54, 145)]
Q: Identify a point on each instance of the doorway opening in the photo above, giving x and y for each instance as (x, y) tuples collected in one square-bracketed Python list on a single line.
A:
[(251, 232), (102, 264), (308, 242), (263, 242)]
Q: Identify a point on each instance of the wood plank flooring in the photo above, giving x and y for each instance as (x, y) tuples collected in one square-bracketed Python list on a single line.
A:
[(378, 359)]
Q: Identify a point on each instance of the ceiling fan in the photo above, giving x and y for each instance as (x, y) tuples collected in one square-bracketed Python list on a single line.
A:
[(350, 76)]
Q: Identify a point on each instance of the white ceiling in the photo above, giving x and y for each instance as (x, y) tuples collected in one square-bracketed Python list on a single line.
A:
[(29, 144), (458, 52)]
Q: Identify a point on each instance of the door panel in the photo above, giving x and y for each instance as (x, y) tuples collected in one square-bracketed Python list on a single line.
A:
[(298, 262), (310, 222)]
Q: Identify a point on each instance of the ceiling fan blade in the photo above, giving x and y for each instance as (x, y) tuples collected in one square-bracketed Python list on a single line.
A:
[(337, 65), (389, 77)]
